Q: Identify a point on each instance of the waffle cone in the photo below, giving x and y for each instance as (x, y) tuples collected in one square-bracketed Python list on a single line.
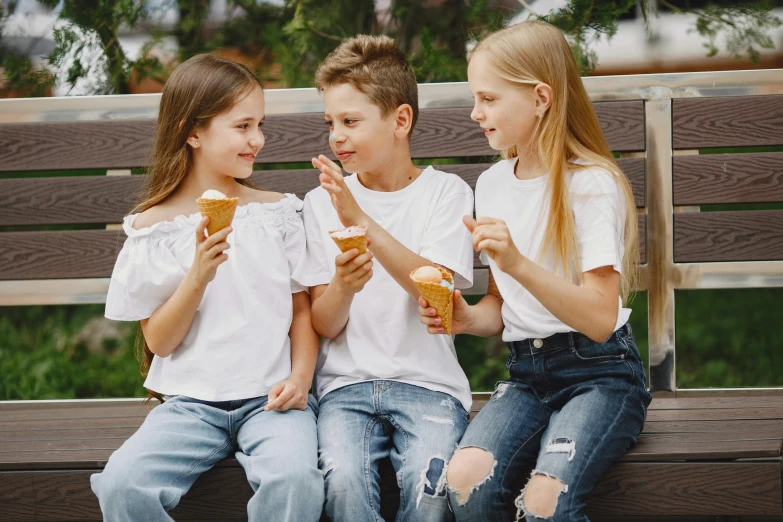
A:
[(345, 244), (438, 297), (219, 211)]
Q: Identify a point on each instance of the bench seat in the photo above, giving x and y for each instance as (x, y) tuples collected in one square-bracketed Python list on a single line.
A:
[(696, 457)]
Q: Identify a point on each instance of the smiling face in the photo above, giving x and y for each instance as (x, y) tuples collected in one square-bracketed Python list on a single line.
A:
[(359, 135), (229, 143), (507, 112)]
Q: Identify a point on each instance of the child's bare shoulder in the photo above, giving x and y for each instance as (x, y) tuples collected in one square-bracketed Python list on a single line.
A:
[(162, 212), (251, 195)]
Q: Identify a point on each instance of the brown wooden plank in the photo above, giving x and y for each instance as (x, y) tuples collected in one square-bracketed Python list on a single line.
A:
[(85, 253), (728, 178), (688, 426), (54, 412), (290, 138), (625, 489), (705, 403), (717, 414), (728, 236), (17, 497), (727, 121), (688, 489), (647, 450), (713, 436), (59, 255), (67, 200), (74, 434), (106, 199), (73, 424)]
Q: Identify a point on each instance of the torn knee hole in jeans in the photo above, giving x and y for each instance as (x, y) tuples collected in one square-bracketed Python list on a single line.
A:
[(325, 463), (519, 502), (433, 480), (462, 495)]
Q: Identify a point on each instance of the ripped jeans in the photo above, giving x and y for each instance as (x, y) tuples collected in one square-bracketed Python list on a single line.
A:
[(360, 424), (571, 407)]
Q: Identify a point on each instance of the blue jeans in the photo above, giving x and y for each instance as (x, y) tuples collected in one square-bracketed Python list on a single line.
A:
[(184, 437), (360, 424), (570, 408)]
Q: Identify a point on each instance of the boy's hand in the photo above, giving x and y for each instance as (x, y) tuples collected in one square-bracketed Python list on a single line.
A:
[(332, 180), (210, 252), (460, 318), (493, 237), (287, 395), (353, 269)]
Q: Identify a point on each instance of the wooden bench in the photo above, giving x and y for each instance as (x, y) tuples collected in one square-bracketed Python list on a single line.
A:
[(703, 453)]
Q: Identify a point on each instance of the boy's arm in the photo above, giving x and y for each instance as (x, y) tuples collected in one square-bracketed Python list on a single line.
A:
[(332, 303), (397, 259), (292, 393)]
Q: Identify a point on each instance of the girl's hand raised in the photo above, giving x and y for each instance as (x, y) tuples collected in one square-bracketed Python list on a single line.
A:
[(331, 178), (493, 237), (210, 252), (460, 319)]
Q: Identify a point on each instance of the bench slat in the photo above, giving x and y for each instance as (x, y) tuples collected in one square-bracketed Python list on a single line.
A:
[(669, 489), (727, 121), (747, 413), (106, 199), (290, 138), (728, 236), (84, 253), (625, 489), (728, 178)]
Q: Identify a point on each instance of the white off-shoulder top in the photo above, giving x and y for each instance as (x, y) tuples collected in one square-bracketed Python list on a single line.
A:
[(238, 345)]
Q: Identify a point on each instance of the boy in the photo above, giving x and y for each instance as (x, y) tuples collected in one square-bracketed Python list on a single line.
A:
[(386, 387)]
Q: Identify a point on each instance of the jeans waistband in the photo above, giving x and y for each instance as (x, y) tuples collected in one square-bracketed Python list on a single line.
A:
[(554, 342)]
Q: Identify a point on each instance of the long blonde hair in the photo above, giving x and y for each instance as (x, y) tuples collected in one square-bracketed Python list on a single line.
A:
[(536, 52), (198, 90)]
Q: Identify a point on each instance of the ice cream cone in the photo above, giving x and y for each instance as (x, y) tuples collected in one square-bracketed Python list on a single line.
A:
[(219, 211), (358, 241), (439, 297)]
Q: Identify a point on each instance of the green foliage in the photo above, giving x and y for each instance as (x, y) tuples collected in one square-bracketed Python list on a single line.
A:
[(23, 77), (42, 356), (585, 21), (87, 43), (745, 28), (729, 338)]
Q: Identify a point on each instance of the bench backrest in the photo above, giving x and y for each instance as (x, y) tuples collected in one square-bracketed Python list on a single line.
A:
[(59, 235)]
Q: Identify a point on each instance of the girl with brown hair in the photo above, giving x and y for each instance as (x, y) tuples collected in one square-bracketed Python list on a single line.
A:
[(228, 343)]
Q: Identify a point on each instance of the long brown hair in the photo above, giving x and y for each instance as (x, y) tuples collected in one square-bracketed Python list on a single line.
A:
[(198, 90), (532, 52)]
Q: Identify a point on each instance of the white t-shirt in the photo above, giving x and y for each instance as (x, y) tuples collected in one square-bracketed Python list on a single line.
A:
[(238, 345), (384, 338), (599, 215)]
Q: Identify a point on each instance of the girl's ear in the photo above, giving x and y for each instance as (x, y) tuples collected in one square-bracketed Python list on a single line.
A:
[(403, 120), (543, 93), (193, 140)]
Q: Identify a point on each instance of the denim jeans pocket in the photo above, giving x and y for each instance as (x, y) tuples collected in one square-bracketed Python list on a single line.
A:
[(613, 349)]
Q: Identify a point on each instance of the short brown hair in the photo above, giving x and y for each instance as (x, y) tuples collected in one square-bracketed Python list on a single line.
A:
[(375, 66)]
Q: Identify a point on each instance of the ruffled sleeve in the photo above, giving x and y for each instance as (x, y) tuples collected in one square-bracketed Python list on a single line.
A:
[(294, 240), (145, 275)]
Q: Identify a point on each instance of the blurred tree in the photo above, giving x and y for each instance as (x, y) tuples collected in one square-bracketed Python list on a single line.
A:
[(285, 43)]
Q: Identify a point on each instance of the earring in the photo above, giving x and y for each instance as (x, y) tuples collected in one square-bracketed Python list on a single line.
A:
[(540, 114)]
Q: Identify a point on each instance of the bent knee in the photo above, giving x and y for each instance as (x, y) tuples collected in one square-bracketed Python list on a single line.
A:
[(541, 495), (468, 469)]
